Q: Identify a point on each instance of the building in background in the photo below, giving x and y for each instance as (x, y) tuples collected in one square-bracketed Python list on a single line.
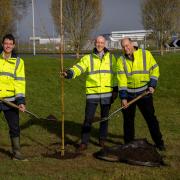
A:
[(138, 36), (40, 40), (113, 40)]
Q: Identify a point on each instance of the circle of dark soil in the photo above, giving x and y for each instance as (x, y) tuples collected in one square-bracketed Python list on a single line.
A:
[(67, 155)]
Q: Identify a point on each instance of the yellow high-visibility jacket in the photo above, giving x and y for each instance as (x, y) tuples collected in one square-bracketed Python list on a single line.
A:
[(101, 74), (137, 75), (12, 79)]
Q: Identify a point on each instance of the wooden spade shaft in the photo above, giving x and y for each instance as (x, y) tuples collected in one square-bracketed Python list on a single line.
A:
[(26, 111), (123, 107), (15, 106)]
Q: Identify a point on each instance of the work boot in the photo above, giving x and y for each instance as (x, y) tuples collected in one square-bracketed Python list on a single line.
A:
[(15, 141), (161, 147)]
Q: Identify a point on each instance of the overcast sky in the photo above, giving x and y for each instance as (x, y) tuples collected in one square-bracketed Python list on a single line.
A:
[(117, 15)]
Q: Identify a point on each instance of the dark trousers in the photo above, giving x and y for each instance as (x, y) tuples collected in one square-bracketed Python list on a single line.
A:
[(12, 117), (89, 116), (146, 107)]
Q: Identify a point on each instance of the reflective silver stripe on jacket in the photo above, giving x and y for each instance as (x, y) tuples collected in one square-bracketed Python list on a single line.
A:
[(96, 96), (91, 63), (10, 99), (144, 71), (125, 66), (122, 88), (137, 89), (153, 67), (6, 74), (144, 59), (138, 72), (13, 98), (13, 75), (20, 95), (100, 71), (19, 78), (121, 72), (134, 72), (79, 67), (17, 65), (154, 77), (111, 63)]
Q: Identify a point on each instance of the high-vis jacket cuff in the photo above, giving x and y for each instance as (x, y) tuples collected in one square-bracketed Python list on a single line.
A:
[(20, 100), (69, 74), (152, 83), (123, 94)]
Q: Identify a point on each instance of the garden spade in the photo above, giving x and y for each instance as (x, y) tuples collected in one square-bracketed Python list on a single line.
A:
[(98, 119), (26, 111)]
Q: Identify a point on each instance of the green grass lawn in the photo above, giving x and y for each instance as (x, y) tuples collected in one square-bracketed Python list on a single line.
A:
[(40, 138)]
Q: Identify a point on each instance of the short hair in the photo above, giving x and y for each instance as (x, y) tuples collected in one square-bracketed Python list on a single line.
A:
[(128, 38), (100, 36), (10, 37)]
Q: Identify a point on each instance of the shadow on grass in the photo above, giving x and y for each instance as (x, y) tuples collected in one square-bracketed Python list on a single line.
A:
[(54, 127), (72, 130), (5, 152)]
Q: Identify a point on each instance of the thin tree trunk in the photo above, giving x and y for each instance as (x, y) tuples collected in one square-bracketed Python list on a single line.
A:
[(162, 49), (77, 52)]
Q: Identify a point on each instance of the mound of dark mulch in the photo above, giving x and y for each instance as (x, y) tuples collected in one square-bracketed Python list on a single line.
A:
[(138, 152)]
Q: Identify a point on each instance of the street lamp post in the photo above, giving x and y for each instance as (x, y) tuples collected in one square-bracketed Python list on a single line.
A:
[(62, 79), (34, 43)]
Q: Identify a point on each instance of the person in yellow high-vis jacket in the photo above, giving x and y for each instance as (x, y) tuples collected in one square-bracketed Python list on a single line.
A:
[(12, 88), (101, 87), (137, 71)]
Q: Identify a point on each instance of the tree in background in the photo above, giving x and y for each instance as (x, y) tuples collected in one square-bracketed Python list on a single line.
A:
[(11, 12), (19, 11), (80, 18), (6, 14), (161, 16), (20, 7)]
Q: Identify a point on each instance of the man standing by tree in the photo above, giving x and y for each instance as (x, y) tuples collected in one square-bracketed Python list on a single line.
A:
[(101, 87), (12, 88), (138, 72)]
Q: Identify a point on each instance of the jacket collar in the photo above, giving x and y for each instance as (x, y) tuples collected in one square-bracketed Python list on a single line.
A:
[(13, 55), (95, 51), (132, 56)]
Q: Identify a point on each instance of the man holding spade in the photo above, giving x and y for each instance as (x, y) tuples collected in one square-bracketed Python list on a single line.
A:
[(12, 89), (137, 71)]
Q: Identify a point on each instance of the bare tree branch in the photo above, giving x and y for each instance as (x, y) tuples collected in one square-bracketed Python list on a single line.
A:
[(80, 18), (6, 14), (161, 17)]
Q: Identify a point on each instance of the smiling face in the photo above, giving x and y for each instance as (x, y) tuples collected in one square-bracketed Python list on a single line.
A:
[(127, 46), (8, 45), (100, 43)]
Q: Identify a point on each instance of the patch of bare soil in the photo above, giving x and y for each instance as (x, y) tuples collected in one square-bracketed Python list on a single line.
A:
[(35, 150), (56, 152)]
